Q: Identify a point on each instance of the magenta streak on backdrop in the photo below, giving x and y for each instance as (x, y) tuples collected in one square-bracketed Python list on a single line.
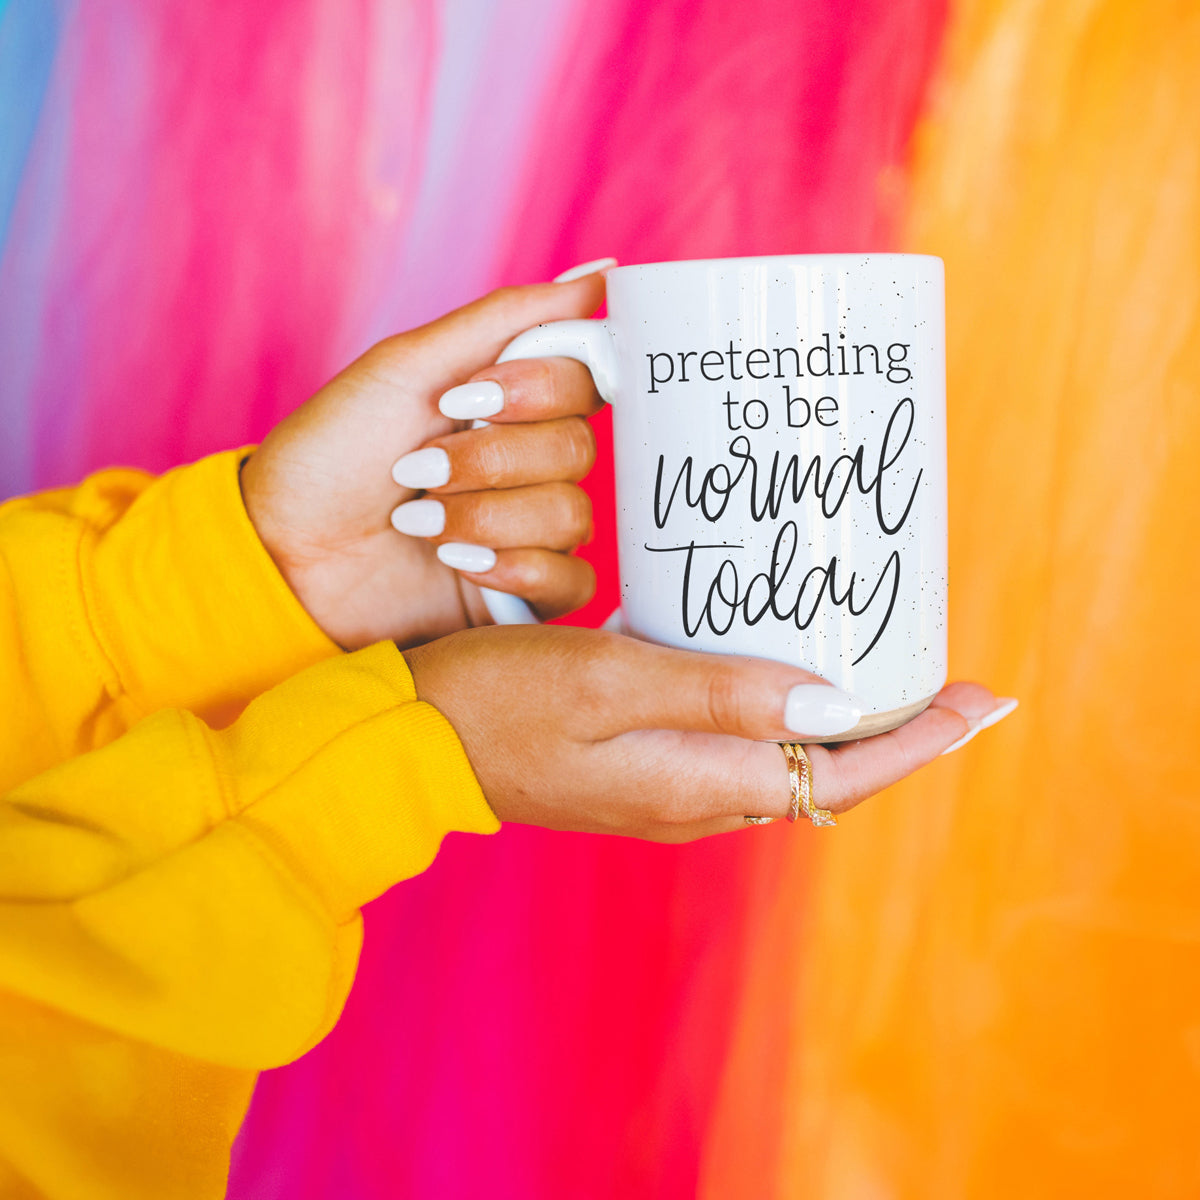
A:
[(547, 1015)]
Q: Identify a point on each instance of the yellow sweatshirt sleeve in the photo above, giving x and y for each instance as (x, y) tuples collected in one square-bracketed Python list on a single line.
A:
[(179, 894), (129, 594), (199, 889)]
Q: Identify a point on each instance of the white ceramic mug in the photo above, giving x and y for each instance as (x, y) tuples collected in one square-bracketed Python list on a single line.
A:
[(779, 436)]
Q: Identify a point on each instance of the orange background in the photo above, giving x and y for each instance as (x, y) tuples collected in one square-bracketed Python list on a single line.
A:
[(1001, 991)]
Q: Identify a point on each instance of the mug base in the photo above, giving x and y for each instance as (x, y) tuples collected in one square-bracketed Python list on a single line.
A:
[(880, 722)]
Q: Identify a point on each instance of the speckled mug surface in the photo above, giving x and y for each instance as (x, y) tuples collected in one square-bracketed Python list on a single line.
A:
[(779, 434)]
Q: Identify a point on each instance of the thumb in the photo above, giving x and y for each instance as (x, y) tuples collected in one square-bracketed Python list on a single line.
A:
[(754, 698), (451, 349)]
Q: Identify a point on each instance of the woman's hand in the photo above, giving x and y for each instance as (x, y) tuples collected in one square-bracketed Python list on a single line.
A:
[(585, 730), (321, 493)]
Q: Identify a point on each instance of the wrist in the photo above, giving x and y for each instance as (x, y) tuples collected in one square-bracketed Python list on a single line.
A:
[(260, 500)]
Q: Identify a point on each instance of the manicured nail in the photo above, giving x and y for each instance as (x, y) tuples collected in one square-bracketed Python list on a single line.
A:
[(463, 556), (587, 268), (472, 401), (1002, 709), (420, 518), (816, 709), (428, 468)]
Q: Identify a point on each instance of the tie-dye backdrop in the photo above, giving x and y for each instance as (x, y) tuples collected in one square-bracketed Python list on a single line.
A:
[(984, 984)]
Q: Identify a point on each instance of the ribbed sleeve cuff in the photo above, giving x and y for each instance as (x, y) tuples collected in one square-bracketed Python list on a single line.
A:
[(185, 600), (378, 778)]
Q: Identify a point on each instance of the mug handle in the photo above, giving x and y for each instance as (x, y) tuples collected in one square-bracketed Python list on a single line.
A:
[(591, 343)]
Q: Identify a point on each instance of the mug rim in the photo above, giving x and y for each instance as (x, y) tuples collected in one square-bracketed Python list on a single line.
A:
[(858, 259)]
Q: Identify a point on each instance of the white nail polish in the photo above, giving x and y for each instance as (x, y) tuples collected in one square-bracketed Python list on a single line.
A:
[(472, 401), (587, 268), (427, 468), (463, 556), (1004, 706), (420, 518), (814, 708), (962, 741), (1002, 709)]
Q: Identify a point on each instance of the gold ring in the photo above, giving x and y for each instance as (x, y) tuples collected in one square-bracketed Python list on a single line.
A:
[(758, 820), (800, 779)]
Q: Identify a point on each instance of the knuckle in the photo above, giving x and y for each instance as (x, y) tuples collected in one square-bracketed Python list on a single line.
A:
[(580, 446), (600, 670), (723, 700), (546, 380), (530, 572), (472, 518), (538, 382), (585, 581), (575, 506), (493, 458), (505, 297), (380, 362), (518, 306), (604, 656)]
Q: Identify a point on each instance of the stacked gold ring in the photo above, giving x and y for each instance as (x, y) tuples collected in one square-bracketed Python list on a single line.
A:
[(800, 782)]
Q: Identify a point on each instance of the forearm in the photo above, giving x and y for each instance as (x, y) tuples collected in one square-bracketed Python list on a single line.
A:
[(199, 889)]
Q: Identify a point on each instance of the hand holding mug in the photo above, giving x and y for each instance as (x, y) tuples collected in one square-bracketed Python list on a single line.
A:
[(321, 493), (584, 730)]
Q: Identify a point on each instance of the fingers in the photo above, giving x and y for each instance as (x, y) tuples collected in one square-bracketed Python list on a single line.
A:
[(500, 500), (688, 785), (555, 584), (848, 774), (501, 456), (970, 700), (533, 389), (556, 516), (699, 784)]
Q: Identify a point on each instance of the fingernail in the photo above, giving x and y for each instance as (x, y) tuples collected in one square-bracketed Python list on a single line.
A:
[(1002, 709), (472, 401), (587, 268), (817, 709), (426, 468), (463, 556), (420, 518)]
